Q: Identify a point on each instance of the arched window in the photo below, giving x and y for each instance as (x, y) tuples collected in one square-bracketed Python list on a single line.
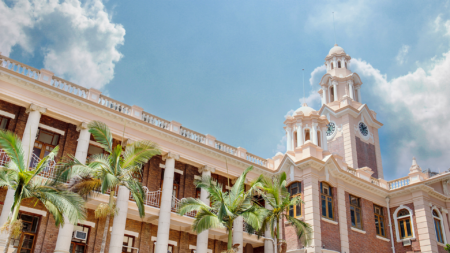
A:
[(326, 196), (295, 190), (403, 226), (339, 64), (345, 64), (438, 225), (307, 135), (332, 66), (332, 93), (319, 140), (295, 140)]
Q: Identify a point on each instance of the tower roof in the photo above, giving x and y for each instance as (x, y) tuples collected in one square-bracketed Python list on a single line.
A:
[(305, 109), (336, 50)]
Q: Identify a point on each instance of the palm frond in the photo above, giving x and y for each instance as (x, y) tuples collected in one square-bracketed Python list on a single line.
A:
[(44, 161), (190, 204), (12, 145), (205, 220), (137, 192), (85, 186), (139, 152), (302, 229), (101, 134)]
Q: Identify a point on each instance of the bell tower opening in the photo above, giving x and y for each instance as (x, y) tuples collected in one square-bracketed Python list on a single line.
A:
[(307, 135), (339, 64), (331, 93)]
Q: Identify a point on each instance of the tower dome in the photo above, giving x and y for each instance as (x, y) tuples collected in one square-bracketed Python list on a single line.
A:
[(336, 50), (305, 109)]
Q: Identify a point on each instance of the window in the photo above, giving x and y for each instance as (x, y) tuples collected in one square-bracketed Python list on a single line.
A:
[(45, 142), (319, 141), (339, 64), (4, 123), (128, 243), (77, 245), (438, 226), (327, 201), (346, 65), (379, 220), (404, 224), (295, 190), (307, 135), (355, 212), (25, 242), (332, 93), (332, 66)]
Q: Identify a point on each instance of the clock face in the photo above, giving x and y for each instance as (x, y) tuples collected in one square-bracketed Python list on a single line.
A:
[(331, 128), (363, 129)]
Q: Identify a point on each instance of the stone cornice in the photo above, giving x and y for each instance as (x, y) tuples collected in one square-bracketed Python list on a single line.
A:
[(94, 108), (348, 109)]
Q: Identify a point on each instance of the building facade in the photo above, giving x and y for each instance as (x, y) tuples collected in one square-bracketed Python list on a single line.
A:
[(333, 162)]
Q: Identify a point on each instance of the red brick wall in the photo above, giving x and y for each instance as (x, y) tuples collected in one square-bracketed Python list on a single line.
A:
[(399, 245), (366, 156), (330, 232), (14, 109), (366, 242)]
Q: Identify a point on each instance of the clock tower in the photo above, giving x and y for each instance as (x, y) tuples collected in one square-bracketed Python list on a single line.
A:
[(353, 128)]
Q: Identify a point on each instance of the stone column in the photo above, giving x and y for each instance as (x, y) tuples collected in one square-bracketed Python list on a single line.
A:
[(120, 220), (424, 222), (268, 245), (324, 139), (166, 203), (238, 233), (342, 212), (202, 238), (5, 214), (299, 135), (335, 91), (31, 128), (83, 142), (288, 139), (314, 133), (324, 95), (350, 89), (359, 94), (66, 231), (312, 208)]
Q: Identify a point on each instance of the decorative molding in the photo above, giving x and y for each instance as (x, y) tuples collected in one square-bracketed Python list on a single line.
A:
[(51, 129), (33, 210), (382, 238), (330, 221), (82, 126), (34, 107), (7, 114), (358, 230), (171, 155), (174, 243), (206, 168)]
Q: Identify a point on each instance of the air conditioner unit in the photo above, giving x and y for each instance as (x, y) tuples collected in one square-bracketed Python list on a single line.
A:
[(407, 242), (80, 235)]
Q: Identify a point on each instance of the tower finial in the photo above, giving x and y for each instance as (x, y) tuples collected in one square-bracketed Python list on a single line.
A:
[(334, 30)]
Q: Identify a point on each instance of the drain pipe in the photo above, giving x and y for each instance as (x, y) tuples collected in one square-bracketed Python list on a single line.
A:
[(390, 225)]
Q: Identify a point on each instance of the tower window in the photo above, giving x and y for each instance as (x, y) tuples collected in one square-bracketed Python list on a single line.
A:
[(345, 65), (332, 93), (307, 135), (339, 64), (295, 140), (332, 66), (319, 142)]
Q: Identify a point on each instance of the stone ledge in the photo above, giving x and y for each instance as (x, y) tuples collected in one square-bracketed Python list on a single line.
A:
[(330, 221), (358, 230), (382, 238)]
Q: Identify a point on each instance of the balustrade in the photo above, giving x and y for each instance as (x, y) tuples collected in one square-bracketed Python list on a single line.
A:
[(192, 135), (155, 121), (69, 87), (394, 184), (113, 104), (226, 148), (256, 159), (19, 68)]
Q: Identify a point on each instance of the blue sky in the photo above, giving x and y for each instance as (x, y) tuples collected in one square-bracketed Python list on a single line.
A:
[(233, 69)]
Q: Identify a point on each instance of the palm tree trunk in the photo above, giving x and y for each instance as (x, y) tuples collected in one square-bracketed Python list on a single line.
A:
[(13, 219), (230, 240), (278, 234), (108, 217), (105, 234)]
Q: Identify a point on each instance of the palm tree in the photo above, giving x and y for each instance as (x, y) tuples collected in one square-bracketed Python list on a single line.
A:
[(106, 172), (225, 207), (274, 192), (27, 183)]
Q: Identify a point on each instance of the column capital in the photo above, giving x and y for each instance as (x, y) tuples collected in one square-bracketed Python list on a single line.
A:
[(299, 124), (314, 124), (82, 126), (34, 107), (288, 129), (350, 82), (334, 82), (206, 168), (171, 155)]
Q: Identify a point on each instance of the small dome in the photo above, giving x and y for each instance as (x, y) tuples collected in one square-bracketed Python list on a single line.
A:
[(336, 50), (305, 109)]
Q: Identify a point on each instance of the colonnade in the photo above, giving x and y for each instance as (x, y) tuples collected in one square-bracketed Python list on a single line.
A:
[(353, 92), (314, 137)]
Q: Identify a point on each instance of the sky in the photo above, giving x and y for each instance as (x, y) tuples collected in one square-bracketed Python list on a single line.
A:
[(233, 69)]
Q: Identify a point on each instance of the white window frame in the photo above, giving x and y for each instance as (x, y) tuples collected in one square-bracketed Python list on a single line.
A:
[(440, 221), (397, 233)]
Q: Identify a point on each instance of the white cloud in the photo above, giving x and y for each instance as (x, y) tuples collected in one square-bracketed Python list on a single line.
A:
[(402, 54), (281, 146), (78, 40), (317, 74)]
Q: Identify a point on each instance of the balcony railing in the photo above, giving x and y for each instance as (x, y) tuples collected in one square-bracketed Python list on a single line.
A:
[(394, 184)]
